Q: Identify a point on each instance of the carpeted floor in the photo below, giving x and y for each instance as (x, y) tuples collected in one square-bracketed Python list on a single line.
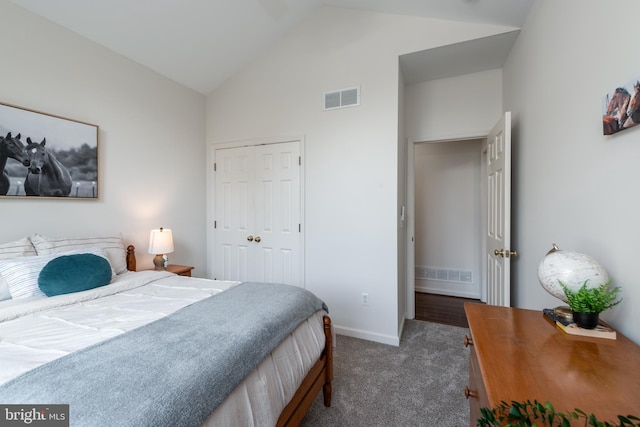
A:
[(419, 383)]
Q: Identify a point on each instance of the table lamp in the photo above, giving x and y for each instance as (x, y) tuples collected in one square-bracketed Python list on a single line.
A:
[(160, 243)]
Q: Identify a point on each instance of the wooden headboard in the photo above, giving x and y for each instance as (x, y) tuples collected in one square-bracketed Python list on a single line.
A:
[(131, 258)]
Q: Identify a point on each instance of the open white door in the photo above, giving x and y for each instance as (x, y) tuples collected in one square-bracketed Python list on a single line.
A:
[(498, 250)]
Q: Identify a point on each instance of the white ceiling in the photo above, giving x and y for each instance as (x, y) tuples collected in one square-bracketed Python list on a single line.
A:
[(201, 43)]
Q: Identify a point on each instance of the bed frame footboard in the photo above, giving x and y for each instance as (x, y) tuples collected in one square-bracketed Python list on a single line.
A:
[(319, 377)]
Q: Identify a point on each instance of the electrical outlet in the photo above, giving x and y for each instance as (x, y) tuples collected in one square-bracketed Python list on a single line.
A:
[(365, 299)]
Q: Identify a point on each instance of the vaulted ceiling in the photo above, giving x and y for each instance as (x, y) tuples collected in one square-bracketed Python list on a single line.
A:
[(201, 43)]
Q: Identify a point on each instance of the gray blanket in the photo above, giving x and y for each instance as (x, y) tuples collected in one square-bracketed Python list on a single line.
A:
[(174, 371)]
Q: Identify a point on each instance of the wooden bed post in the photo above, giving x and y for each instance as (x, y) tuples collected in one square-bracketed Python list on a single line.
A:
[(131, 258), (328, 349), (318, 378)]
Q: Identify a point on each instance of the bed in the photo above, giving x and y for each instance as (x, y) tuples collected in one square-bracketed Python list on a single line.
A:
[(153, 347)]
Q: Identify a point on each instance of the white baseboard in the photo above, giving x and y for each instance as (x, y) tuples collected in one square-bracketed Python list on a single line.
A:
[(422, 287), (367, 335)]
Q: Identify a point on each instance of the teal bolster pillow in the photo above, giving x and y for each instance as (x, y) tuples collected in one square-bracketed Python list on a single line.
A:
[(74, 273)]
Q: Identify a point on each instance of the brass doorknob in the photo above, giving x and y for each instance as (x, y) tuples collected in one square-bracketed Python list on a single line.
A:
[(250, 238), (505, 254), (258, 239)]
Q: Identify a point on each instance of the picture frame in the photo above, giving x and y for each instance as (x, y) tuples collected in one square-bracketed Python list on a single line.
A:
[(621, 108), (44, 155)]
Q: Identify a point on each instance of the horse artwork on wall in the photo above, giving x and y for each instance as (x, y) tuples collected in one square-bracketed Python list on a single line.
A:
[(621, 108), (43, 155)]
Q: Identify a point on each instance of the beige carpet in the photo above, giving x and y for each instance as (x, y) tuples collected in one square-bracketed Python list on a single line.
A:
[(419, 383)]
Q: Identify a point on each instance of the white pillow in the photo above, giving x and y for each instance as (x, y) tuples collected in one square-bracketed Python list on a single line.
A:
[(4, 289), (22, 247), (22, 273), (18, 248), (112, 245)]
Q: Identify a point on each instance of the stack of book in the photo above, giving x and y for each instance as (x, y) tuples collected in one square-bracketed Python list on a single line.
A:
[(568, 326)]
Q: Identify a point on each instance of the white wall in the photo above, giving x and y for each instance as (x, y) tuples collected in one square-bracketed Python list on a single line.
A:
[(351, 177), (572, 185), (448, 212), (467, 105), (151, 139)]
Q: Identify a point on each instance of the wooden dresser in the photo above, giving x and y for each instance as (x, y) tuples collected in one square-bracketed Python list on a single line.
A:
[(516, 354)]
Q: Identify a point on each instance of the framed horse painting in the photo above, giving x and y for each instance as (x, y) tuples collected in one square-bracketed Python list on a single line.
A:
[(621, 108), (42, 155)]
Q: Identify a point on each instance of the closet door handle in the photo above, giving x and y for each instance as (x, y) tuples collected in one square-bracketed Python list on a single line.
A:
[(258, 239), (250, 238)]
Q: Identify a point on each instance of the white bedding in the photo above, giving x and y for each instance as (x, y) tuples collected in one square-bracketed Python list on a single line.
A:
[(34, 332)]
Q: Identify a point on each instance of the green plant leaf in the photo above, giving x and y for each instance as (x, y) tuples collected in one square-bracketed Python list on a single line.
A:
[(592, 300), (525, 414)]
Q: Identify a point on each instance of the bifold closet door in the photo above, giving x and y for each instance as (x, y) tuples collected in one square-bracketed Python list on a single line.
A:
[(258, 211)]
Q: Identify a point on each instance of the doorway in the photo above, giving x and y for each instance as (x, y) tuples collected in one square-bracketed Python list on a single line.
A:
[(448, 206), (495, 218), (446, 221)]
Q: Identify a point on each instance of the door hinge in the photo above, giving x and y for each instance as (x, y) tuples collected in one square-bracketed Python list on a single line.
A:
[(299, 228), (215, 224), (299, 161), (215, 165)]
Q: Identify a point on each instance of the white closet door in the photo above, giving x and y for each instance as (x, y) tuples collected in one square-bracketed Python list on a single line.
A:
[(277, 213), (258, 213), (234, 213)]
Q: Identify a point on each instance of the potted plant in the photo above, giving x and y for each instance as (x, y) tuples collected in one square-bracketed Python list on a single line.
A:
[(587, 303), (531, 414)]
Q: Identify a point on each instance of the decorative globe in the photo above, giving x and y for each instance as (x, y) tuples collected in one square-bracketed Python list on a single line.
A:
[(570, 268)]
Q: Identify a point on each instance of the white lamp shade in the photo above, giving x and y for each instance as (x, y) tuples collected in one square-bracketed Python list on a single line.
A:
[(160, 241)]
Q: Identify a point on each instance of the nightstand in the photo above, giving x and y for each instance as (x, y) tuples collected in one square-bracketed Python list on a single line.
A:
[(180, 270)]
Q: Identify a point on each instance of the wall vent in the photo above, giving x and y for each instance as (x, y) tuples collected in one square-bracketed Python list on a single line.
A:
[(342, 98), (444, 274)]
